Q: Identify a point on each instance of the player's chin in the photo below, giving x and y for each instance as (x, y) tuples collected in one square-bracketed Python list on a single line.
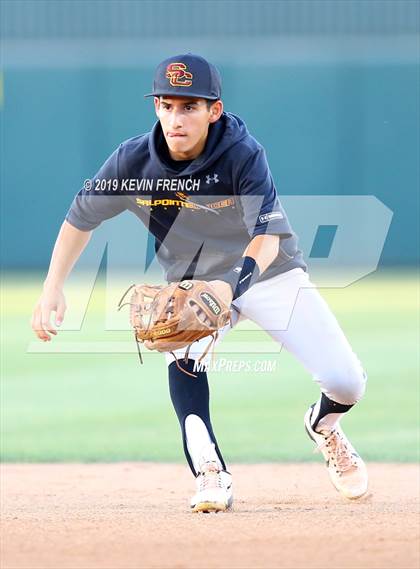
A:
[(179, 144)]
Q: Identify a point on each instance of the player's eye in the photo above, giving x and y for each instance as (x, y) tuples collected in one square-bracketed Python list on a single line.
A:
[(189, 107)]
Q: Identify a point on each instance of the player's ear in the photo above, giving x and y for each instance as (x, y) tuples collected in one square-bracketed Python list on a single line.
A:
[(157, 103), (216, 111)]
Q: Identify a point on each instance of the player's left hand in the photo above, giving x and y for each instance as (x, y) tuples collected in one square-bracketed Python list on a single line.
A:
[(224, 290)]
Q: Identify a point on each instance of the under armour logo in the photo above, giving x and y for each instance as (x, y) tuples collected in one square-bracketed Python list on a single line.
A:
[(247, 277), (210, 179)]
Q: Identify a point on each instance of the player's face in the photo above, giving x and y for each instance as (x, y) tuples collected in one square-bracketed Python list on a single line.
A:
[(185, 124)]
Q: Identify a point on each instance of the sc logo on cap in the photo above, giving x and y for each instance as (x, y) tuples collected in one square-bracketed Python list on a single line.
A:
[(178, 75)]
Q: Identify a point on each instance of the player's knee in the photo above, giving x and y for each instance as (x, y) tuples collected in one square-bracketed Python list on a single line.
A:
[(346, 386)]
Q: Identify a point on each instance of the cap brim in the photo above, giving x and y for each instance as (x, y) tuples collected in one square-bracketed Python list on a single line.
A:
[(197, 95)]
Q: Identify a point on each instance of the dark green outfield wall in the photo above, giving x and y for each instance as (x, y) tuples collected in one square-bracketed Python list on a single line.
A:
[(328, 129), (329, 87)]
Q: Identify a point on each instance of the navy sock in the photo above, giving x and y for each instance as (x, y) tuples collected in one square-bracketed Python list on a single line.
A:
[(191, 397), (328, 406)]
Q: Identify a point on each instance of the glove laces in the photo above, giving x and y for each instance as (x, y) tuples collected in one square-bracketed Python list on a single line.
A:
[(168, 311)]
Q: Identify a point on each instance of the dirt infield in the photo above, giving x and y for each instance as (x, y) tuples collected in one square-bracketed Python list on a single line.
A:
[(132, 515)]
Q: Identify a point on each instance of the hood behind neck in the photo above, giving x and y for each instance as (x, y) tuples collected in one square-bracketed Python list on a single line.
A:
[(223, 134)]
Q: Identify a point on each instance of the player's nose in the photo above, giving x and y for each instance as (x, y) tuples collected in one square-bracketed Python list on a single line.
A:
[(175, 119)]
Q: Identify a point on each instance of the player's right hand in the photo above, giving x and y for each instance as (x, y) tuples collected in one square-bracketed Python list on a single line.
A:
[(51, 300)]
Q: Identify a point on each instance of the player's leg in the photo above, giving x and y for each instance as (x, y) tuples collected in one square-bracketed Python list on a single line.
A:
[(293, 312), (191, 399)]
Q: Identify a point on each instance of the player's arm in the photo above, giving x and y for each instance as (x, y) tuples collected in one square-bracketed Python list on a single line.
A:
[(257, 257), (265, 220), (87, 211), (68, 247), (263, 249)]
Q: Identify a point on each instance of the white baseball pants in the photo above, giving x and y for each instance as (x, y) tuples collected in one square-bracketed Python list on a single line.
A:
[(291, 310)]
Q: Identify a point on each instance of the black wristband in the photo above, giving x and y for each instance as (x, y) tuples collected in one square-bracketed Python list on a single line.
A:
[(242, 276)]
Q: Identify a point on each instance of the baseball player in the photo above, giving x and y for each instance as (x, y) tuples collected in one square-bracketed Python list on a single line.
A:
[(204, 190)]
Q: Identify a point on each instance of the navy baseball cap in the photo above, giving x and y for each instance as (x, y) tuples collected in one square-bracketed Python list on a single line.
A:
[(187, 75)]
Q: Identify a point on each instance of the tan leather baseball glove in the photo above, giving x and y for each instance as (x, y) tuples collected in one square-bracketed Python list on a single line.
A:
[(167, 318)]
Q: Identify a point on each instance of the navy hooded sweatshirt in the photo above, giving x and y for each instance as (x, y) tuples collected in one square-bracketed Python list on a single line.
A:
[(202, 213)]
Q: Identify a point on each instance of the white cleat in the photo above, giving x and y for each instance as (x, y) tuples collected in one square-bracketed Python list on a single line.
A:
[(214, 489), (347, 470)]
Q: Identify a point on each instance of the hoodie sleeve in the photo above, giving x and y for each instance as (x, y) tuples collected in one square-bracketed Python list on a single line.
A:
[(261, 208), (93, 205)]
